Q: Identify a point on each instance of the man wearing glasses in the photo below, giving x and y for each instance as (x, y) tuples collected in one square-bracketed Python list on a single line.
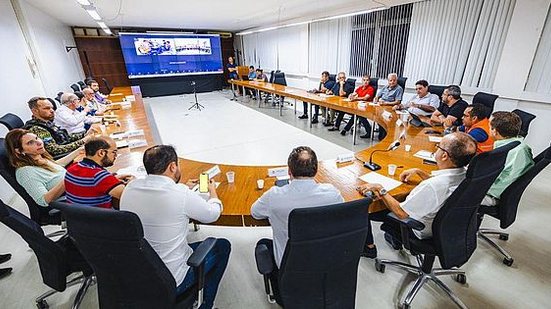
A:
[(453, 153), (69, 118), (89, 183), (424, 103)]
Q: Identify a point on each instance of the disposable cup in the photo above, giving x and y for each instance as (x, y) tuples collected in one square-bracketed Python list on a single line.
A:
[(231, 176), (260, 184), (392, 169)]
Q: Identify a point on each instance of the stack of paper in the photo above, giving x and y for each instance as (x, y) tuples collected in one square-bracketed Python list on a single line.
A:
[(425, 155), (435, 139), (136, 171), (386, 182)]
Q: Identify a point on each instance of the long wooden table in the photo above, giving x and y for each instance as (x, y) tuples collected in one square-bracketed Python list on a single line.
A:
[(239, 196)]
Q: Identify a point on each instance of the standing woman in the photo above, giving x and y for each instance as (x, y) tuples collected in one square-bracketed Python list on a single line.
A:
[(35, 170)]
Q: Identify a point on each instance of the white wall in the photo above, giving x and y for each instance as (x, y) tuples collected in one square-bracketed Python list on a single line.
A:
[(54, 69)]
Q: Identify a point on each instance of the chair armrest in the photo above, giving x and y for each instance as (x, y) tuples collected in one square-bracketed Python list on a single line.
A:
[(264, 260), (199, 254), (54, 212), (409, 222)]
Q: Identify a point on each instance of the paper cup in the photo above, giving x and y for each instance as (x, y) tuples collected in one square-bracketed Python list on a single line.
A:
[(231, 176), (408, 147), (392, 169), (260, 184)]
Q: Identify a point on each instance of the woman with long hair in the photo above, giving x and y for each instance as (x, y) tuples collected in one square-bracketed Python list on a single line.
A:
[(35, 169)]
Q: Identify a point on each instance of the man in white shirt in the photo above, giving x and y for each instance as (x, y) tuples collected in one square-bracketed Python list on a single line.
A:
[(453, 153), (165, 207), (92, 103), (423, 103), (68, 117), (302, 192)]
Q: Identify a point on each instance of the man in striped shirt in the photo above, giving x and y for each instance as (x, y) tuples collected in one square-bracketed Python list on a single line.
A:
[(88, 182)]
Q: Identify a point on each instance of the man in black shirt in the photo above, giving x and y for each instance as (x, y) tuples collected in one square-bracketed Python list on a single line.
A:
[(450, 111), (341, 89), (324, 86)]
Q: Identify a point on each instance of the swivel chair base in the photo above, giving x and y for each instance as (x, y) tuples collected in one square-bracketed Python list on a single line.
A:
[(483, 234), (85, 282), (423, 277)]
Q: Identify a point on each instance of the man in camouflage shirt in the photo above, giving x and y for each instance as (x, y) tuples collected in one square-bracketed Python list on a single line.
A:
[(56, 140)]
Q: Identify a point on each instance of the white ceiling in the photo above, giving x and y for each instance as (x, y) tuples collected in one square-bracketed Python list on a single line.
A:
[(228, 15)]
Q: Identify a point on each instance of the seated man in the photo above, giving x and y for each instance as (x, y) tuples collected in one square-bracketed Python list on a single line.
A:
[(423, 103), (68, 117), (365, 92), (57, 141), (340, 89), (89, 183), (251, 76), (100, 97), (165, 207), (278, 202), (93, 105), (324, 85), (504, 129), (450, 111), (453, 153), (389, 95), (261, 77), (477, 125)]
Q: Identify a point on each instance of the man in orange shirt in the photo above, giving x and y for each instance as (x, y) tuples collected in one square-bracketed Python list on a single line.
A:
[(365, 92), (477, 125)]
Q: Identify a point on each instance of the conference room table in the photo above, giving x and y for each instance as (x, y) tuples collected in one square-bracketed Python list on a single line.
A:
[(239, 196)]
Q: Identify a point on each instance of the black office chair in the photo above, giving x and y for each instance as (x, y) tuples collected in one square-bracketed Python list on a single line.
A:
[(56, 259), (319, 268), (11, 121), (526, 120), (129, 272), (81, 84), (333, 77), (438, 90), (402, 82), (54, 104), (486, 99), (454, 228), (39, 214), (351, 81), (374, 82), (75, 87), (58, 97), (506, 210), (279, 79), (107, 85)]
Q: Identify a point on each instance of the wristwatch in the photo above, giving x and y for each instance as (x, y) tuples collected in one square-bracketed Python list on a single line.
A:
[(383, 192)]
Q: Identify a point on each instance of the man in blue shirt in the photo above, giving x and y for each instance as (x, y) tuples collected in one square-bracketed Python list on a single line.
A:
[(389, 95), (251, 76), (341, 89), (324, 86)]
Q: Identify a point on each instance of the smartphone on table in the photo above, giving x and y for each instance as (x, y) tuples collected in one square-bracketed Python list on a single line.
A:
[(204, 183)]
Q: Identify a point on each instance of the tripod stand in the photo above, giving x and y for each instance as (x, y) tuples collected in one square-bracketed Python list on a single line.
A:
[(196, 104)]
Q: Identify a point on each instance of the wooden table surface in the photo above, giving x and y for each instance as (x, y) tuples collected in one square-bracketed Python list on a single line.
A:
[(239, 196)]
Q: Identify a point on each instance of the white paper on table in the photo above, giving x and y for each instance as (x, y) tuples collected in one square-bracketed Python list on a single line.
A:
[(374, 104), (386, 182), (135, 143), (136, 171), (435, 139), (346, 100), (399, 112), (399, 122), (133, 133), (425, 155), (130, 98), (362, 104), (118, 135), (323, 95), (122, 144), (387, 115)]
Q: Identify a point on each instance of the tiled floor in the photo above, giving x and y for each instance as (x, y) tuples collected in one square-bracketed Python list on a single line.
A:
[(490, 284)]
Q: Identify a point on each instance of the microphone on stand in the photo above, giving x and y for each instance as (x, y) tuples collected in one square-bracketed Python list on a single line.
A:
[(374, 166)]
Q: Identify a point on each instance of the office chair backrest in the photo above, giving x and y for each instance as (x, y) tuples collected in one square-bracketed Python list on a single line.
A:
[(320, 263), (52, 260), (38, 213), (333, 77), (129, 272), (11, 121), (58, 97), (272, 75), (75, 87), (402, 82), (510, 198), (107, 85), (486, 99), (526, 119), (374, 82), (54, 104), (81, 84), (437, 89), (455, 226), (351, 81), (279, 78)]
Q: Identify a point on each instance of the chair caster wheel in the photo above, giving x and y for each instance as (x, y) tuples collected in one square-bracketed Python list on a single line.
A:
[(380, 267), (508, 262), (42, 304), (461, 278), (504, 237)]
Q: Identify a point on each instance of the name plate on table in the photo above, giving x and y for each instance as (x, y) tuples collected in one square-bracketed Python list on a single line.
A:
[(387, 115), (213, 171), (278, 171), (345, 157), (435, 139), (136, 143), (362, 104)]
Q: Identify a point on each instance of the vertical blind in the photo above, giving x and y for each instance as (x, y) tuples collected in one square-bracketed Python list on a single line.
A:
[(539, 79), (329, 46), (457, 42)]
